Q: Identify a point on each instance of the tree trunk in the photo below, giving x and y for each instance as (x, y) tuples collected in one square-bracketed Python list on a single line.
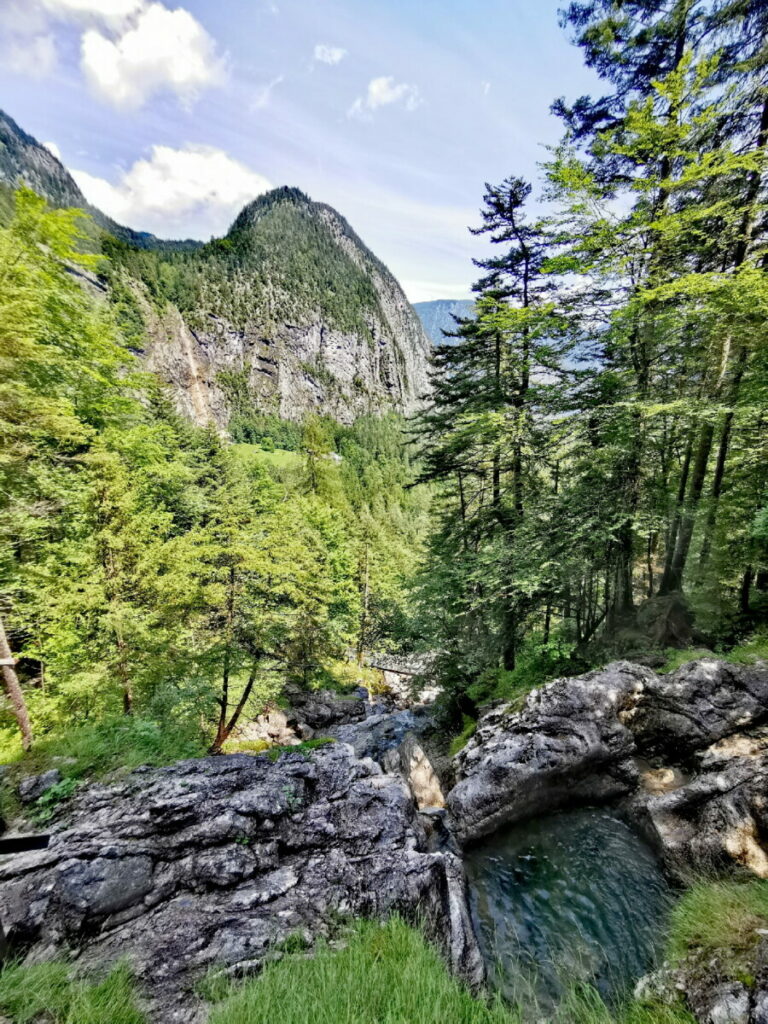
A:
[(225, 728), (685, 534), (746, 587), (14, 691)]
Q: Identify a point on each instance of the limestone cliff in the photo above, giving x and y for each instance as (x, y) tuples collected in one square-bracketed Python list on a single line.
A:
[(289, 313)]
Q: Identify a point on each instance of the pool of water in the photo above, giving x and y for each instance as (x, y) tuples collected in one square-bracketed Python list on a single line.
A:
[(575, 896)]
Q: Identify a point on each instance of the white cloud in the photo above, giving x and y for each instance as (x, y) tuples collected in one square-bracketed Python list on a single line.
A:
[(382, 92), (102, 10), (53, 148), (263, 95), (329, 54), (33, 55), (162, 49), (191, 192), (130, 49)]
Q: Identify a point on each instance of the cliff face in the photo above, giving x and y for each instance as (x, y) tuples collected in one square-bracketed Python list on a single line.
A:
[(438, 316), (289, 313)]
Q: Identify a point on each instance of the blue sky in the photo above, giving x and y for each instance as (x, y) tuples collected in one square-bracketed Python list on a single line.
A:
[(395, 112)]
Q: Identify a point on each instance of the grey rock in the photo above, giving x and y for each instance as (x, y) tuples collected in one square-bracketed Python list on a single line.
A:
[(380, 733), (576, 741), (700, 703), (717, 819), (34, 786), (412, 762), (212, 862), (568, 744)]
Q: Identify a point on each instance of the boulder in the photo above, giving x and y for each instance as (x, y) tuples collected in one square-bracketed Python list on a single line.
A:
[(716, 819), (412, 762), (320, 709), (568, 744), (34, 786), (214, 862), (580, 740), (379, 734), (700, 703)]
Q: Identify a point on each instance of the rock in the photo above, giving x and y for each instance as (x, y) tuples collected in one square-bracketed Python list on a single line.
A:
[(718, 818), (700, 703), (212, 862), (34, 786), (376, 736), (322, 709), (412, 762), (702, 800), (568, 744), (730, 1006)]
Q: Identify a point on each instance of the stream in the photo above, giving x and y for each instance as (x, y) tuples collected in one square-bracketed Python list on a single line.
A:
[(575, 896)]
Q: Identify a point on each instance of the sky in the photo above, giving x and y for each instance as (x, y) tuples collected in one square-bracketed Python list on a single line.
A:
[(395, 112)]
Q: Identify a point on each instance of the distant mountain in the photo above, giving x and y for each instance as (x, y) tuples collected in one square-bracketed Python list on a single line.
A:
[(288, 313), (23, 161), (437, 316)]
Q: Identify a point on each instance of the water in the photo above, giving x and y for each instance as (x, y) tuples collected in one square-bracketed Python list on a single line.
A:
[(576, 896)]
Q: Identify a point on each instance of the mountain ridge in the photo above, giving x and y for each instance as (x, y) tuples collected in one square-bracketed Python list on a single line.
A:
[(288, 313)]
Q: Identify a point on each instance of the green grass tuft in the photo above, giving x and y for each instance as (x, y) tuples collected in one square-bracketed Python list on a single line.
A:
[(299, 748), (51, 992), (719, 916), (386, 974)]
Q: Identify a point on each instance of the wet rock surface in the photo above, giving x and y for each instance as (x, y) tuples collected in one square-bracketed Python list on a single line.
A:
[(216, 861)]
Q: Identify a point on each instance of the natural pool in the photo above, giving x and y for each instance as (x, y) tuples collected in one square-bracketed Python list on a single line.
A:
[(575, 896)]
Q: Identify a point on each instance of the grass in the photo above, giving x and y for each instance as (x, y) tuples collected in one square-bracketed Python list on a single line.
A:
[(386, 974), (299, 748), (751, 651), (110, 744), (279, 458), (468, 731), (92, 751), (719, 917), (51, 992)]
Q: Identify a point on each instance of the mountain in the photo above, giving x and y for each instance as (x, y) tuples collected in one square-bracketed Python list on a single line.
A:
[(288, 313), (437, 316)]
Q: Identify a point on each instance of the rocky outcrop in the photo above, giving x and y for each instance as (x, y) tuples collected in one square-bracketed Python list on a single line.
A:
[(215, 862), (684, 750), (719, 817), (568, 744), (289, 314)]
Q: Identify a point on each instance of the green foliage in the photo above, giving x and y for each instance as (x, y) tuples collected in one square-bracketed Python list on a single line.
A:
[(384, 973), (148, 564), (596, 430), (52, 991), (468, 730), (719, 917), (298, 748), (46, 805), (280, 263)]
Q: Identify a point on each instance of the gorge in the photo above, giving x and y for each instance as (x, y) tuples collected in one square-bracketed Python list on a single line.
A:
[(215, 863)]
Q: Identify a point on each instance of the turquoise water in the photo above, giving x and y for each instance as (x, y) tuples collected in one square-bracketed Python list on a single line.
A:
[(572, 897)]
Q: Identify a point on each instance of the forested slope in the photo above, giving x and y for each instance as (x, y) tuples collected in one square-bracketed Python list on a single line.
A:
[(599, 427)]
